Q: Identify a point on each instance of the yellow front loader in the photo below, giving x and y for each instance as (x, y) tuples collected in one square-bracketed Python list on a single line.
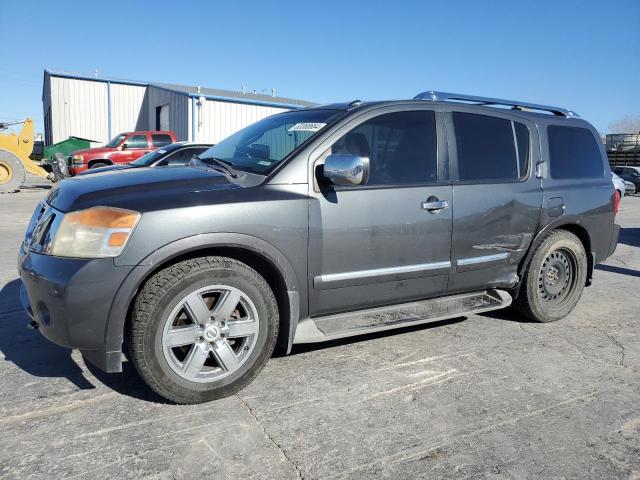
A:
[(14, 157)]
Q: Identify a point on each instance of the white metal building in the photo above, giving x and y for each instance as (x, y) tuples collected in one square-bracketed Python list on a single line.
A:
[(100, 108)]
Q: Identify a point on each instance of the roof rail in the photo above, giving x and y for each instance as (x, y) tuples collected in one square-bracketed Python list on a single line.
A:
[(516, 105)]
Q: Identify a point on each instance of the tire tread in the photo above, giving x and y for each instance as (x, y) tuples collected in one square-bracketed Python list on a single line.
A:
[(149, 297)]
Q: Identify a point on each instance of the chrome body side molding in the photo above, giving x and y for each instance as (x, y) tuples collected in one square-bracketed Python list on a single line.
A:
[(483, 259), (334, 280)]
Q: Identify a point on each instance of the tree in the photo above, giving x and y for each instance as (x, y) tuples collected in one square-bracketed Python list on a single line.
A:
[(626, 124)]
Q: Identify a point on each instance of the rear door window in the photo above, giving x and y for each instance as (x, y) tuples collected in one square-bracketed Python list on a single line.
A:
[(573, 153), (490, 148), (160, 139)]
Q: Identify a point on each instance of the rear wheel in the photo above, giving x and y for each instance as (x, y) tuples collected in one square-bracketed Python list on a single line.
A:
[(12, 172), (554, 279), (202, 329)]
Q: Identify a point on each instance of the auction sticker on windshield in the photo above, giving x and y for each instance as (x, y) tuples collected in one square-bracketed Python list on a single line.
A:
[(306, 127)]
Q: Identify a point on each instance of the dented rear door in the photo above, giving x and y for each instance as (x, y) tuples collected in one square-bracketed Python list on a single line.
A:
[(497, 203)]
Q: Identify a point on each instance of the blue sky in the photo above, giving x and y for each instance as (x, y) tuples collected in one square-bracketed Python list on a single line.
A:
[(556, 52)]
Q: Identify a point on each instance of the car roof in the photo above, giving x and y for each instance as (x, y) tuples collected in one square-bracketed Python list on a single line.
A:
[(141, 132), (176, 145)]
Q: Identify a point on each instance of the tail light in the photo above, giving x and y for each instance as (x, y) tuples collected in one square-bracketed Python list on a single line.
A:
[(616, 202)]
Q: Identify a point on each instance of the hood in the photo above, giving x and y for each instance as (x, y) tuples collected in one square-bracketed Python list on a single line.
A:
[(110, 168), (145, 189), (93, 151)]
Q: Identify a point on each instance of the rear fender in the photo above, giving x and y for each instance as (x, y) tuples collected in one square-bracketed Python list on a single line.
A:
[(565, 224)]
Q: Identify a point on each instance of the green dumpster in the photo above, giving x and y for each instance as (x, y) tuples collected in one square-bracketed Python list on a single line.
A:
[(65, 147)]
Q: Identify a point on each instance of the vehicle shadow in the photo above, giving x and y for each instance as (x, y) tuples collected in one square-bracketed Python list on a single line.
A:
[(127, 382), (34, 354), (29, 350), (620, 270), (630, 236), (508, 315)]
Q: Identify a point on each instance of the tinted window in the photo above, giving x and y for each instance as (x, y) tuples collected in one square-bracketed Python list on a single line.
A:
[(137, 141), (486, 147), (183, 156), (573, 153), (401, 147), (523, 144), (160, 139)]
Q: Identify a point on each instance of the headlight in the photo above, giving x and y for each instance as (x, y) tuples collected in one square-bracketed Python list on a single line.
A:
[(94, 233), (77, 159)]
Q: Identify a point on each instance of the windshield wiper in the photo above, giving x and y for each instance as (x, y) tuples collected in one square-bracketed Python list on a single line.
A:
[(221, 164)]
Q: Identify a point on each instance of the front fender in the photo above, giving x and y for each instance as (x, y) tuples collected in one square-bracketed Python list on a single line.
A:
[(114, 332)]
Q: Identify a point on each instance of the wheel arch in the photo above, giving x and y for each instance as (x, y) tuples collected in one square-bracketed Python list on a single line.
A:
[(93, 161), (256, 253), (572, 227)]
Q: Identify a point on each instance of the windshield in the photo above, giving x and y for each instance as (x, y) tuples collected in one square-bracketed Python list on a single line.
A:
[(115, 141), (260, 147), (149, 158)]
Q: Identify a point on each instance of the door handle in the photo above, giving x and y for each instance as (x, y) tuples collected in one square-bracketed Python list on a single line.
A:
[(434, 205)]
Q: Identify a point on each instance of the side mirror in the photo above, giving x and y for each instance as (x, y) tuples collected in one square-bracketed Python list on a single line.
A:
[(124, 146), (346, 169)]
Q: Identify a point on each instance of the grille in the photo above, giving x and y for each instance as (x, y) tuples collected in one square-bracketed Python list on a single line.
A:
[(41, 229)]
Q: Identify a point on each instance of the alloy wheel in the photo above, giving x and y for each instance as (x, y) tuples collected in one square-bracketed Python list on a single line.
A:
[(210, 333)]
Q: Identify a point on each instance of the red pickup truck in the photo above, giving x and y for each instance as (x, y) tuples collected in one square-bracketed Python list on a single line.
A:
[(124, 148)]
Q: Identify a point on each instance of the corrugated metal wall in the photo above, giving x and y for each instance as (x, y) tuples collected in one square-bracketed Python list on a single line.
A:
[(78, 107), (221, 119), (128, 109), (178, 110)]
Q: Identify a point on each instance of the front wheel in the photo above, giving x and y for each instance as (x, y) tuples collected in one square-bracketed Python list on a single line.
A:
[(202, 329), (554, 279)]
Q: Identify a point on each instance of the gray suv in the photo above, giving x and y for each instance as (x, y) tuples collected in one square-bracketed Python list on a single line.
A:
[(317, 224)]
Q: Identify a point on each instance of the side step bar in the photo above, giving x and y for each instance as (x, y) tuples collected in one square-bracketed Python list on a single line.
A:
[(331, 327)]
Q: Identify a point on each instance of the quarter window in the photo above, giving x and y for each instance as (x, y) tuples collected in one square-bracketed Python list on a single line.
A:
[(161, 139), (573, 153), (490, 148), (137, 141), (401, 147), (523, 145)]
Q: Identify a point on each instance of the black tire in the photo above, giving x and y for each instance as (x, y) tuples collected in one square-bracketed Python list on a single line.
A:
[(160, 295), (99, 165), (12, 172), (555, 278)]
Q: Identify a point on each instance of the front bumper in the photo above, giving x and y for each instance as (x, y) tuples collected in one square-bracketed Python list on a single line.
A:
[(75, 169), (70, 300)]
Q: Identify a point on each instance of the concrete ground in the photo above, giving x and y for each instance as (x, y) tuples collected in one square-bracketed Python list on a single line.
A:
[(487, 396)]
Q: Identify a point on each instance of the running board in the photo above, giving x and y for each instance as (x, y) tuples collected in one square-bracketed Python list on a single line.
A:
[(331, 327)]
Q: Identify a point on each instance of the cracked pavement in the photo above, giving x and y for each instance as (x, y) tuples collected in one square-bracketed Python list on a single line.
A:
[(485, 396)]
